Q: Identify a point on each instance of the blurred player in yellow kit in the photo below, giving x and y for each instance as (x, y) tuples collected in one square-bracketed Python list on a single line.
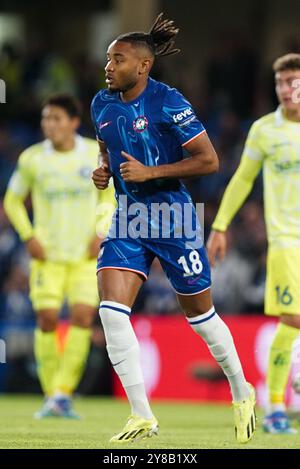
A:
[(273, 144), (63, 243)]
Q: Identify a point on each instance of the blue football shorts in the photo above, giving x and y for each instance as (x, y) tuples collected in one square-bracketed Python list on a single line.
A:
[(187, 268)]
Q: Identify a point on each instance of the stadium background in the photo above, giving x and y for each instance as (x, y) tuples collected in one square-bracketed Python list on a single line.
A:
[(225, 71)]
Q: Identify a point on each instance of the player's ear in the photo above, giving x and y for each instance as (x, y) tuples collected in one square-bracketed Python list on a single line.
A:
[(145, 66)]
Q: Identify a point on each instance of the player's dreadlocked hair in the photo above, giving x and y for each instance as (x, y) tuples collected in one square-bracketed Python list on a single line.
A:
[(160, 39)]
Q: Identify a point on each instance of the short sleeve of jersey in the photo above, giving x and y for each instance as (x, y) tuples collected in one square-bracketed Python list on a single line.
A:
[(94, 113), (21, 179), (178, 113), (254, 145)]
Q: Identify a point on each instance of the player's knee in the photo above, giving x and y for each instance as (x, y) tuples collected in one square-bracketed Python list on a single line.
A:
[(82, 321), (47, 322), (82, 316), (107, 281), (196, 305)]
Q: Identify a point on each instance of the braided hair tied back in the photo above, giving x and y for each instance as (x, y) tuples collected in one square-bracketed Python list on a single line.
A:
[(160, 39)]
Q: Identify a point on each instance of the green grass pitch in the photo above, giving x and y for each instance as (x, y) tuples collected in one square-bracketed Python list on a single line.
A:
[(182, 425)]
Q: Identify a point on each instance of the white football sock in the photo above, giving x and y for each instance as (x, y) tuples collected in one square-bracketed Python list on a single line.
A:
[(138, 401), (123, 351), (220, 343)]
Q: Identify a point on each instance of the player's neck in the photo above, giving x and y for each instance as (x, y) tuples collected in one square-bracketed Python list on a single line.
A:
[(67, 145), (134, 92), (292, 114)]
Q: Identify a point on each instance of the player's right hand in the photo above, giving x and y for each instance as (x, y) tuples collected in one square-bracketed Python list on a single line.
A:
[(216, 246), (101, 176), (35, 249)]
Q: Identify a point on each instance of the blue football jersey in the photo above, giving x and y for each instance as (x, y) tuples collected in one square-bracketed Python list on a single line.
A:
[(153, 128)]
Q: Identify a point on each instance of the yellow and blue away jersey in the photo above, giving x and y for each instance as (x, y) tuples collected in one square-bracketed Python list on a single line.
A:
[(64, 197), (273, 144)]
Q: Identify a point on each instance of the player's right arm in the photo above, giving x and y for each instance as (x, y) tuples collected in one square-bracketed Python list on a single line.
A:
[(236, 193), (102, 175), (18, 188)]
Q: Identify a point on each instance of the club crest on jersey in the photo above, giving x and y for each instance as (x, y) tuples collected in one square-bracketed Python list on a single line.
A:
[(140, 124)]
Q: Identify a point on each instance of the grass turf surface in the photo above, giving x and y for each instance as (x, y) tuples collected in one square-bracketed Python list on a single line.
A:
[(182, 425)]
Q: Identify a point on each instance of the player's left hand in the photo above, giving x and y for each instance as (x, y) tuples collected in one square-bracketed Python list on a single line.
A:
[(133, 170)]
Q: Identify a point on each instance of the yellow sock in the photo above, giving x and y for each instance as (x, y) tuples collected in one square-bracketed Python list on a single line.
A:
[(280, 362), (47, 358), (73, 359)]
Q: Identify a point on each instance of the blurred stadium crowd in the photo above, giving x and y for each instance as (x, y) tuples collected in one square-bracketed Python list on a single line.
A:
[(235, 90)]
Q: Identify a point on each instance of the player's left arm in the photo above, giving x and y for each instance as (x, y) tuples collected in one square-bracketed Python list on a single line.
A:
[(202, 160)]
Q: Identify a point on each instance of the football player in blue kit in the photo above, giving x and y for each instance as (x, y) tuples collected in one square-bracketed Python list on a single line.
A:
[(143, 126)]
